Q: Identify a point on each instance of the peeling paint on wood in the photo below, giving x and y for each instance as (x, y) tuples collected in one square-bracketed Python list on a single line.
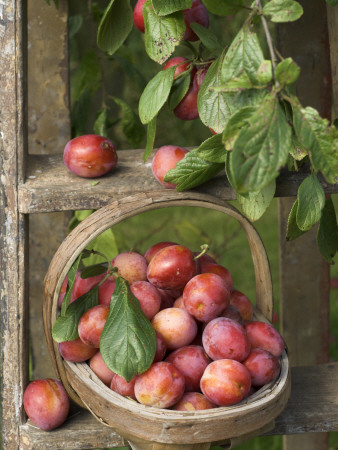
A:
[(13, 289)]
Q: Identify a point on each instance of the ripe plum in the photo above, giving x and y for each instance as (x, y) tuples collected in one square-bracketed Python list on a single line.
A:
[(90, 156), (46, 403), (99, 367), (91, 325), (165, 159), (225, 339), (76, 351), (225, 382), (131, 266), (161, 386), (177, 327), (206, 296), (192, 361), (171, 267)]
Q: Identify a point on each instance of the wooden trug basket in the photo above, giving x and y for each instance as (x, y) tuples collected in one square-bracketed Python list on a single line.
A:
[(147, 427)]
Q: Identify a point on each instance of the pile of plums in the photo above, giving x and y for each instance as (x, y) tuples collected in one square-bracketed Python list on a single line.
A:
[(210, 350)]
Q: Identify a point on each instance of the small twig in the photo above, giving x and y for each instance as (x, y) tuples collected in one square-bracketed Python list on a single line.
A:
[(279, 54), (270, 43)]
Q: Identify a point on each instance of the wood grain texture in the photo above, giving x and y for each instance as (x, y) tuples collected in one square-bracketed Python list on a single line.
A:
[(49, 186), (312, 407), (332, 20), (13, 225), (48, 127), (303, 272), (48, 92)]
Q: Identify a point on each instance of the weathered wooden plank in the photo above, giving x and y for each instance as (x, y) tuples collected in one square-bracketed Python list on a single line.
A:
[(304, 274), (81, 430), (332, 17), (13, 229), (49, 186), (304, 295), (47, 70), (49, 127), (313, 404), (312, 408)]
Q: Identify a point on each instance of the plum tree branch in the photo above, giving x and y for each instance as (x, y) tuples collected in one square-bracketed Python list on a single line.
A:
[(269, 41)]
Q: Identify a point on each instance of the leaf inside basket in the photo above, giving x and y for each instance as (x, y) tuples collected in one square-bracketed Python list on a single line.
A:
[(128, 341), (66, 327)]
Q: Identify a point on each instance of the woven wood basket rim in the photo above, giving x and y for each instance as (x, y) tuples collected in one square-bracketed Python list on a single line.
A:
[(262, 396)]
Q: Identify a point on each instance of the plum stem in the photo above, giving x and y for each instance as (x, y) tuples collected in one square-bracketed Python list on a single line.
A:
[(205, 248)]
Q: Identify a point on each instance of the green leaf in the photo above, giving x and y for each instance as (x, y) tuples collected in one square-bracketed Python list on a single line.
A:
[(262, 147), (212, 150), (296, 150), (264, 72), (80, 113), (311, 201), (166, 7), (94, 270), (128, 340), (244, 55), (100, 124), (213, 107), (192, 171), (162, 34), (332, 2), (151, 133), (236, 122), (235, 84), (327, 236), (228, 165), (115, 26), (318, 139), (103, 247), (131, 71), (287, 71), (207, 37), (82, 214), (178, 90), (293, 231), (239, 65), (71, 280), (87, 77), (283, 10), (155, 94), (74, 24), (224, 7), (131, 125), (65, 327), (255, 205)]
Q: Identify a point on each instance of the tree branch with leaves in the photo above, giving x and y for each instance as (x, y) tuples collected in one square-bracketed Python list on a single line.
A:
[(247, 99)]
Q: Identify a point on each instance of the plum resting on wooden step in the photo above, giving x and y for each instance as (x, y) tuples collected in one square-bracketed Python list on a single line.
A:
[(46, 403), (90, 156)]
